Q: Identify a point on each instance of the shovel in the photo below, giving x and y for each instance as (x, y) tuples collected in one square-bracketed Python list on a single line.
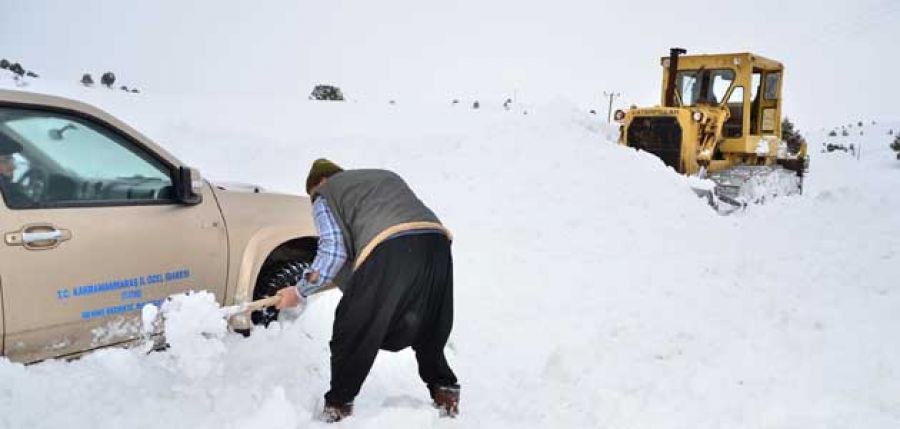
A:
[(237, 316)]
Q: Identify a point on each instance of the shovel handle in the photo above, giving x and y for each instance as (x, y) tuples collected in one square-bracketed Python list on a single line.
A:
[(261, 303)]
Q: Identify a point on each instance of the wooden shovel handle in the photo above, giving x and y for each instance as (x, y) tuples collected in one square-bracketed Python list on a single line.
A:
[(273, 300), (262, 303)]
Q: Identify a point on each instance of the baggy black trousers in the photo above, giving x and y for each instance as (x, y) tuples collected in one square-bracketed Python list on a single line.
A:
[(401, 296)]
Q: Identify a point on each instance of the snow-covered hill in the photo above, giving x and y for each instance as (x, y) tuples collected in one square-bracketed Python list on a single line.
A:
[(593, 289)]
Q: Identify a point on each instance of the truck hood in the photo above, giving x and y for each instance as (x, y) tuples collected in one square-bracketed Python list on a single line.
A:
[(238, 187)]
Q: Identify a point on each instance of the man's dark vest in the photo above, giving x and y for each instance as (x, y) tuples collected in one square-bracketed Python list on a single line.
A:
[(371, 205)]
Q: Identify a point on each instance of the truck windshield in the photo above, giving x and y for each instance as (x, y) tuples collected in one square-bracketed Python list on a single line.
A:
[(703, 86)]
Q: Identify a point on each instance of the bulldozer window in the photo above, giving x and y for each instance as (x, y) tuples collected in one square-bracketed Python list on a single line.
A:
[(687, 87), (721, 82), (755, 85), (755, 90), (772, 82), (734, 126), (703, 86)]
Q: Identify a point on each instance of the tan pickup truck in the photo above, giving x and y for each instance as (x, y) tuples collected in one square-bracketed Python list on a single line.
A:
[(98, 221)]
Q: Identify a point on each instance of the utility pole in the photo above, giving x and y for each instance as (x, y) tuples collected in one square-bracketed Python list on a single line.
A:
[(612, 96)]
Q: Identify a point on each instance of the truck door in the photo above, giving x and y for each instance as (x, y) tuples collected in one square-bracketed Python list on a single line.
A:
[(2, 331), (91, 232)]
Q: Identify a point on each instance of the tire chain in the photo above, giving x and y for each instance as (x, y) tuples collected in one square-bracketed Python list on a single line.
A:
[(288, 274)]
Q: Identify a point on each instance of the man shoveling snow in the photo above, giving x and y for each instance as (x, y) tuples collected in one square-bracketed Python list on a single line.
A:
[(390, 256)]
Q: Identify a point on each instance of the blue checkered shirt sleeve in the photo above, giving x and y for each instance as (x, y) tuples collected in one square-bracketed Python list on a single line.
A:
[(331, 254)]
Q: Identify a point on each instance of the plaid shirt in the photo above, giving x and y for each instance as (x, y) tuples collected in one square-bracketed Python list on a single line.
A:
[(331, 254)]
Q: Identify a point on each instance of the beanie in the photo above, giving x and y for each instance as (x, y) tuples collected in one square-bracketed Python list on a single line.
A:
[(321, 168)]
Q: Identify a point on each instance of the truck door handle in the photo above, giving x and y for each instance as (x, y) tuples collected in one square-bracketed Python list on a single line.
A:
[(35, 237), (38, 237)]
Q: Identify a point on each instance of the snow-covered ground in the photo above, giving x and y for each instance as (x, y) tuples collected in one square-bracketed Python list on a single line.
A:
[(593, 289)]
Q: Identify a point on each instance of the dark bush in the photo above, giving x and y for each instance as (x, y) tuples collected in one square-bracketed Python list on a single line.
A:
[(896, 145), (787, 129), (108, 79), (326, 92), (17, 69)]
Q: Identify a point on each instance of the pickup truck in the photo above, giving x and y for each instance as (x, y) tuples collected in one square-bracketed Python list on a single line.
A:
[(98, 221)]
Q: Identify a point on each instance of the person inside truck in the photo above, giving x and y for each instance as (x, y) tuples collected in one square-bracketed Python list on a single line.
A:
[(12, 192)]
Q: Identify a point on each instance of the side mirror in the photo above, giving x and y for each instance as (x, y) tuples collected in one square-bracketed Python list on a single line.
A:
[(188, 186), (58, 133)]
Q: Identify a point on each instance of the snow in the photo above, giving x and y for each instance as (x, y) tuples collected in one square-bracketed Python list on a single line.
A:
[(762, 147), (699, 183), (149, 314), (755, 185), (593, 288), (194, 327)]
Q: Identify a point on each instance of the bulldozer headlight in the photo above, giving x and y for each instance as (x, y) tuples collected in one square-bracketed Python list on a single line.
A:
[(619, 115), (697, 116)]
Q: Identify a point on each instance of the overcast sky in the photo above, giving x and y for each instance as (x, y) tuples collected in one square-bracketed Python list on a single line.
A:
[(840, 56)]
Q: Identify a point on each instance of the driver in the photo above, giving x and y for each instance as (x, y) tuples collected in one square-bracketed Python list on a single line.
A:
[(12, 192)]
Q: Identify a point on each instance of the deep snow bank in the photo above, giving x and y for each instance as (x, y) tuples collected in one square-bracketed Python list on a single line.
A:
[(593, 289)]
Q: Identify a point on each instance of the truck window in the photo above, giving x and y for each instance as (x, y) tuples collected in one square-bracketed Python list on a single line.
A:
[(70, 161)]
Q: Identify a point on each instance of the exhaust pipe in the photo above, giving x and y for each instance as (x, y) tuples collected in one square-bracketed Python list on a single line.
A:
[(674, 53)]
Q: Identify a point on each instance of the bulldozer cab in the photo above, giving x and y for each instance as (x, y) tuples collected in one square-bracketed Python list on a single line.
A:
[(747, 85)]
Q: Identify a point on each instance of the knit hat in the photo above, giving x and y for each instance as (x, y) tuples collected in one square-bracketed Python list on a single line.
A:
[(321, 168)]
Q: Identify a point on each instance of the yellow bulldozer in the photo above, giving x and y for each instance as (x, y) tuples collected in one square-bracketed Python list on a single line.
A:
[(720, 119)]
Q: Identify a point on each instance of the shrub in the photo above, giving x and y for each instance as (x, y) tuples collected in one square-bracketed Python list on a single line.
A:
[(108, 79), (326, 92), (896, 145)]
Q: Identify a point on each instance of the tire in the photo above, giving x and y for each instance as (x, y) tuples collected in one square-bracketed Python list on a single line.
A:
[(272, 279)]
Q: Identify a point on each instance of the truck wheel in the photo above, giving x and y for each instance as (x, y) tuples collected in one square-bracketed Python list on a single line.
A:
[(271, 280)]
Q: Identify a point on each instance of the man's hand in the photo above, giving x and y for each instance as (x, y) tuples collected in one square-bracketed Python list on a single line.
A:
[(312, 276), (290, 298)]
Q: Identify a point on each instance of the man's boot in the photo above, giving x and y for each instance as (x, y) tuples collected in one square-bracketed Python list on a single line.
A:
[(446, 399), (335, 413)]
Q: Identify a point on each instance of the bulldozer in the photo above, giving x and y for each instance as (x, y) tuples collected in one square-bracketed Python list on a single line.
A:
[(720, 119)]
